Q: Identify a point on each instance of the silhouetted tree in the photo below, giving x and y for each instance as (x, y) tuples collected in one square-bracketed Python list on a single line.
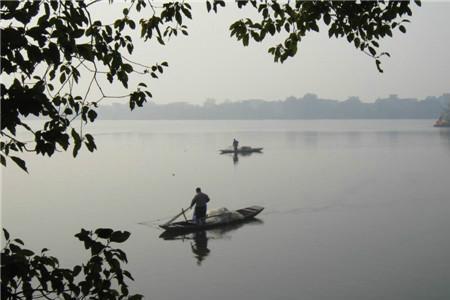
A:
[(27, 275)]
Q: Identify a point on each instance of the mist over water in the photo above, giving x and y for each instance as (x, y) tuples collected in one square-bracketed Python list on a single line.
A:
[(353, 209)]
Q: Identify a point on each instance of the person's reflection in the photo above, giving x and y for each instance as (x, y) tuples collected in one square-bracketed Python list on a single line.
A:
[(200, 246), (235, 158)]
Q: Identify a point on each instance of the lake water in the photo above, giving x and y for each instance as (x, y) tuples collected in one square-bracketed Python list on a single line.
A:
[(353, 209)]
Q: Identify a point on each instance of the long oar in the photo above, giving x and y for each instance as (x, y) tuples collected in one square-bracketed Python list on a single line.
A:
[(177, 216)]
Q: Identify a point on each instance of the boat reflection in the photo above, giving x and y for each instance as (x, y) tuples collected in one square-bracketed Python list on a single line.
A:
[(236, 156), (444, 134), (199, 239)]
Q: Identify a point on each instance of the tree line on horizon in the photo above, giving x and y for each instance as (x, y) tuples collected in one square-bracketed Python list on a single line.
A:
[(310, 106)]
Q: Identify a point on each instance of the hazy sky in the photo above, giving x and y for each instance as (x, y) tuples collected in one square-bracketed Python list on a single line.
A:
[(210, 64)]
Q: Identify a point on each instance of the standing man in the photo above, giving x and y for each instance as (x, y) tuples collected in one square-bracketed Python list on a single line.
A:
[(199, 201), (235, 145)]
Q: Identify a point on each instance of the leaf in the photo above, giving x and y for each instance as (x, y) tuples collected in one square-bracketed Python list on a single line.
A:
[(121, 255), (90, 144), (96, 247), (327, 18), (83, 235), (245, 40), (54, 4), (19, 241), (127, 68), (85, 51), (19, 162), (314, 27), (27, 252), (131, 24), (62, 78), (104, 233), (120, 236), (178, 17), (130, 48), (2, 160), (6, 233), (53, 53), (15, 248), (186, 12), (76, 270), (402, 28), (378, 63), (77, 142), (34, 53), (126, 273), (92, 115)]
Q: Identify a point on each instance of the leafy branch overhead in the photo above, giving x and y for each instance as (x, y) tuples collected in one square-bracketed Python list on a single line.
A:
[(362, 24), (50, 49)]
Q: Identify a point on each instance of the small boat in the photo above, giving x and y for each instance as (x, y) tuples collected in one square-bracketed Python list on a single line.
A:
[(241, 150), (221, 217), (444, 119), (216, 233), (441, 123)]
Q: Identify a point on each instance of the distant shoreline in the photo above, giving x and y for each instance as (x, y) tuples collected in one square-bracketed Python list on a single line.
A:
[(309, 107)]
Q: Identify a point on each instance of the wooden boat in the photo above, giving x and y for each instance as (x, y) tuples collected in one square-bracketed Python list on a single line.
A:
[(213, 221), (444, 119), (216, 233), (242, 150), (441, 123)]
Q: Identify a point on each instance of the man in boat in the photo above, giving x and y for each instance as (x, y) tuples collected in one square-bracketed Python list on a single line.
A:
[(235, 145), (200, 200)]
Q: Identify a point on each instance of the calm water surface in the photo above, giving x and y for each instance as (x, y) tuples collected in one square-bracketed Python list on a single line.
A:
[(353, 209)]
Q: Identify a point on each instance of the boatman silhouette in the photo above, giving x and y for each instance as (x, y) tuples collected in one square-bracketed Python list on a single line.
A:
[(235, 145), (200, 200)]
